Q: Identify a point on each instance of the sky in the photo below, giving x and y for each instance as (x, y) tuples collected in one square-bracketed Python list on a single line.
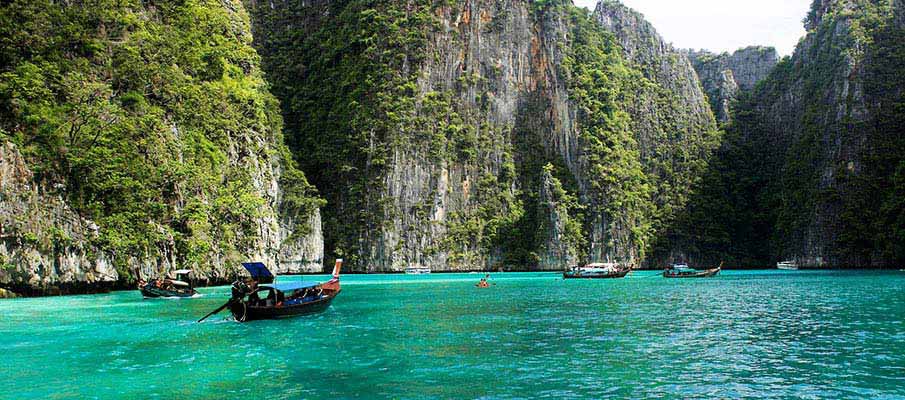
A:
[(723, 25)]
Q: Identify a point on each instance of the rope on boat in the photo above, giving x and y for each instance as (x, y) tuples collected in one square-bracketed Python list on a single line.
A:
[(244, 312)]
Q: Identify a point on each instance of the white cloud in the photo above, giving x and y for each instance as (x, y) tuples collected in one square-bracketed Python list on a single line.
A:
[(723, 25)]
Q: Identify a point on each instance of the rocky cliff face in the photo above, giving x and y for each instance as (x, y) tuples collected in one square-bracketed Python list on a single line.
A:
[(138, 148), (44, 243), (430, 129), (723, 76), (812, 160)]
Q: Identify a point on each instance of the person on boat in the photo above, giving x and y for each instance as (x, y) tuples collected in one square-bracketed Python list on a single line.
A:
[(271, 298), (254, 299)]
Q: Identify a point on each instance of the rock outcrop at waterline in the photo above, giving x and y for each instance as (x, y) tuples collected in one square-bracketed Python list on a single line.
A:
[(138, 139), (44, 244), (723, 76), (439, 120)]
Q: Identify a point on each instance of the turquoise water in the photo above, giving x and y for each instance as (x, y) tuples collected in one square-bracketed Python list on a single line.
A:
[(766, 334)]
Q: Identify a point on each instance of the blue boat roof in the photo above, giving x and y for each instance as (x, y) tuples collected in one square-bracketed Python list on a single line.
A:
[(257, 270), (290, 286)]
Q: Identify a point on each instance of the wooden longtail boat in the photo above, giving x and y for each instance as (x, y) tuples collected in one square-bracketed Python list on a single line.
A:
[(597, 271), (683, 271), (251, 301), (172, 288)]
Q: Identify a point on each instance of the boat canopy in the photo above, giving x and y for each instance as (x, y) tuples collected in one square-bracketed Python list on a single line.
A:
[(290, 286), (602, 265), (257, 270), (182, 271)]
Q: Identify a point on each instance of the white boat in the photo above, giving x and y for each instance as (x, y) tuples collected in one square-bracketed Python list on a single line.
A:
[(787, 265), (417, 270), (597, 271)]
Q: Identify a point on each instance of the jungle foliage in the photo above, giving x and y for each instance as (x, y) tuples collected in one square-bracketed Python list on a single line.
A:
[(785, 164), (149, 116)]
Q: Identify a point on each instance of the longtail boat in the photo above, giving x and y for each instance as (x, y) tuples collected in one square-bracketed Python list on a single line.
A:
[(597, 271), (684, 271), (172, 288), (252, 301)]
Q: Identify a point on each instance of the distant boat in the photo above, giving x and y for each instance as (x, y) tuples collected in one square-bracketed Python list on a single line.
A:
[(682, 270), (172, 288), (787, 265), (597, 271), (484, 282), (417, 270), (251, 301)]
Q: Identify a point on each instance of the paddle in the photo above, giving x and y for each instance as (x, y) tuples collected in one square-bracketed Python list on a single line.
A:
[(217, 310)]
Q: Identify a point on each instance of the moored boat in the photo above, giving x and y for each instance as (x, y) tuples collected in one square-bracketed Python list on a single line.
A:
[(417, 270), (252, 301), (597, 271), (173, 288), (787, 265), (682, 270)]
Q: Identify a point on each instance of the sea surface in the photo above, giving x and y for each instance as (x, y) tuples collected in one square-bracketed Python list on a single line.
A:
[(744, 334)]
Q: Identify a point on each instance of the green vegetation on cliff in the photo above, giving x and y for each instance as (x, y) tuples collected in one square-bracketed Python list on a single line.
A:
[(407, 135), (599, 81), (812, 164), (154, 119), (347, 86)]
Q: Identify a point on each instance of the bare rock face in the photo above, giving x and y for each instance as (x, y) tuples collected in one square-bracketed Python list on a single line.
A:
[(723, 76), (44, 246), (302, 247)]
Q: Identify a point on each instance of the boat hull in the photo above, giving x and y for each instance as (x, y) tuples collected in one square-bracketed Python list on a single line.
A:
[(157, 293), (700, 274), (580, 275), (243, 312)]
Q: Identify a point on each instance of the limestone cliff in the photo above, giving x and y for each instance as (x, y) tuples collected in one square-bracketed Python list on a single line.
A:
[(724, 75), (138, 139), (812, 166), (671, 119), (429, 129), (44, 243)]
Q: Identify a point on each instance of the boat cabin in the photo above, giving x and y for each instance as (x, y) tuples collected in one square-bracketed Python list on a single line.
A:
[(417, 270), (284, 294), (681, 267)]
